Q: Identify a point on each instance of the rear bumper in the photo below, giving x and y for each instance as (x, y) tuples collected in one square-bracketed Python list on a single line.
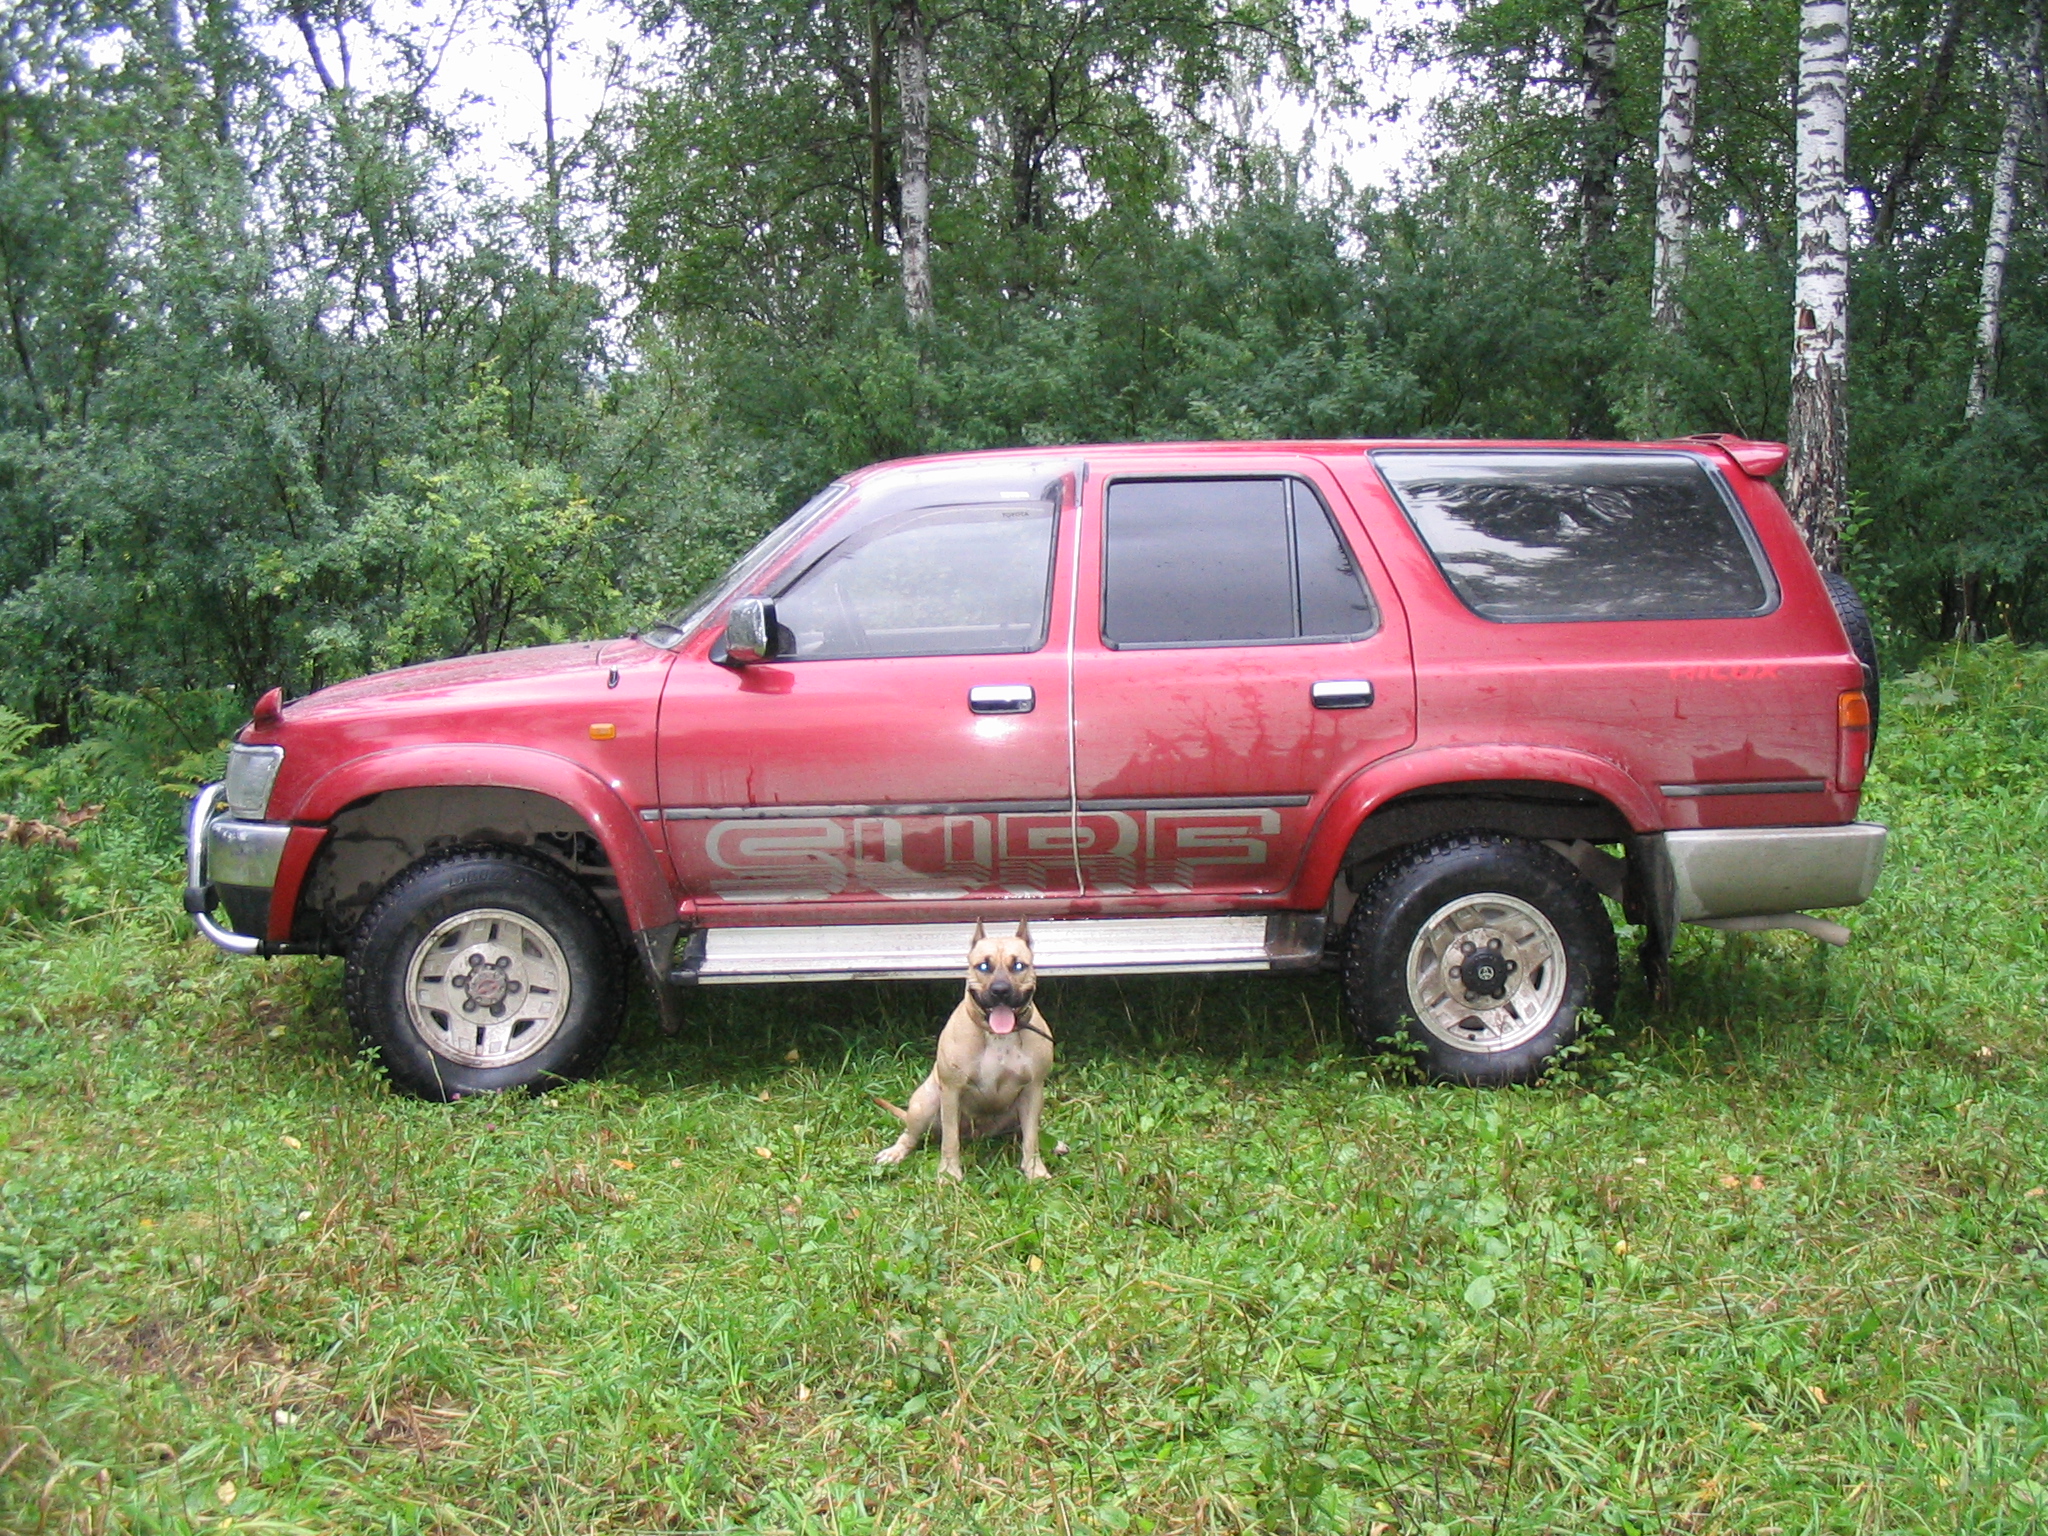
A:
[(1764, 871), (232, 864)]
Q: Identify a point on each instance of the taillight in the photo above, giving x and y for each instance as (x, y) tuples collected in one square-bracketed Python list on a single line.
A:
[(1852, 737)]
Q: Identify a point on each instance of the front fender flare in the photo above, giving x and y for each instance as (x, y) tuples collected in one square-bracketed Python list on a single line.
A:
[(644, 890)]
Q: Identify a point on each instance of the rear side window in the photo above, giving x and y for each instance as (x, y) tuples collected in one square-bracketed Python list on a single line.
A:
[(1535, 536), (1226, 562)]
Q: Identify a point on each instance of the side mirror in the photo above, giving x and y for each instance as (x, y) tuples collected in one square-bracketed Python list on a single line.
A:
[(749, 632)]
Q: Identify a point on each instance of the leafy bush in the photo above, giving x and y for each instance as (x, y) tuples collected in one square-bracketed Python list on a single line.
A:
[(91, 829)]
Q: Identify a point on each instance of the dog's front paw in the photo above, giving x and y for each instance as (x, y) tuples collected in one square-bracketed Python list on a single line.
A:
[(952, 1171), (891, 1155), (1037, 1171)]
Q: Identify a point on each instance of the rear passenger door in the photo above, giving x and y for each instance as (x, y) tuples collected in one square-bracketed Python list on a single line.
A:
[(1239, 653)]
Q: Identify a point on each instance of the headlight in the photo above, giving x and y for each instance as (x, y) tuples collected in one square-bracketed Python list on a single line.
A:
[(251, 772)]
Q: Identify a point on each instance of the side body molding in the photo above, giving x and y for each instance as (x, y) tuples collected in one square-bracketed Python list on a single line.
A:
[(1421, 768), (643, 889)]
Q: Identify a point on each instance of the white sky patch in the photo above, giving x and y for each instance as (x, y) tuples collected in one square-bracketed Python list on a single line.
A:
[(487, 82), (484, 81)]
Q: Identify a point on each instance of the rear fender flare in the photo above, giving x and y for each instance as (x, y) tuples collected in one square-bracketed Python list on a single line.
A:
[(1380, 782)]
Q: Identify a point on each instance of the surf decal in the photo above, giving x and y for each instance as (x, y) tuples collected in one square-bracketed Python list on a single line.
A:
[(947, 856)]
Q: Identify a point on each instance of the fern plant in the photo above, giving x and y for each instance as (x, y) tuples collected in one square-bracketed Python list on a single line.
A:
[(16, 733)]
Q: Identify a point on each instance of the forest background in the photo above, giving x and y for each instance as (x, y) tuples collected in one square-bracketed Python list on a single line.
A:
[(287, 393)]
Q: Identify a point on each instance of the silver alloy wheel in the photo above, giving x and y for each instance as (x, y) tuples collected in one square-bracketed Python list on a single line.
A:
[(487, 988), (1486, 972)]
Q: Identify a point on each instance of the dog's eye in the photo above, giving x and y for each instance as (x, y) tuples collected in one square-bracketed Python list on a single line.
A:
[(984, 966), (1016, 965)]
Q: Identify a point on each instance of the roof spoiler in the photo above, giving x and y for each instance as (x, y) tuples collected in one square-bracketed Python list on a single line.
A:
[(1761, 460)]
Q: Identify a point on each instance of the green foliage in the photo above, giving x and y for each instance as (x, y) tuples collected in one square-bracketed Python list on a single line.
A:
[(118, 795), (474, 552), (281, 399), (1770, 1257), (15, 734)]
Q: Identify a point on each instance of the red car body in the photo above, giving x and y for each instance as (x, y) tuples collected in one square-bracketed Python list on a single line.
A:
[(1142, 782)]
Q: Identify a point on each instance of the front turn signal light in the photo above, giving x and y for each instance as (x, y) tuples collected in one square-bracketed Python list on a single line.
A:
[(1852, 737)]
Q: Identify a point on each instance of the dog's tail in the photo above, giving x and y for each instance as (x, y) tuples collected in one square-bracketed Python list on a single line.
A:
[(900, 1114)]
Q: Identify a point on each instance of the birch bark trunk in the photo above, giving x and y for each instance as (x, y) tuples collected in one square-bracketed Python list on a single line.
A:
[(2005, 178), (913, 85), (1674, 164), (1599, 141), (1817, 429)]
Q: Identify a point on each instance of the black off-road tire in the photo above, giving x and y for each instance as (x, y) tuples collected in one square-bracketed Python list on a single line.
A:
[(457, 948), (1862, 638), (1539, 920)]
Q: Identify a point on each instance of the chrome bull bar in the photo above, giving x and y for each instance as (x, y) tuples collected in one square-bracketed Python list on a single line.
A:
[(199, 897)]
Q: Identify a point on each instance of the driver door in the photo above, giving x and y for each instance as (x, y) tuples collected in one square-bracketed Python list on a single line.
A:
[(906, 744)]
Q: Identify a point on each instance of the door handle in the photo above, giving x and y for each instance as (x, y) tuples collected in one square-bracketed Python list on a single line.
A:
[(1002, 699), (1355, 693)]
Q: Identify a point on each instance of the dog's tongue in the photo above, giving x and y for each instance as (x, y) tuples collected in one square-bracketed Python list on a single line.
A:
[(1002, 1020)]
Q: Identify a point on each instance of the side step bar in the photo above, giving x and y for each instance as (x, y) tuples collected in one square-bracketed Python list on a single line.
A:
[(1092, 946)]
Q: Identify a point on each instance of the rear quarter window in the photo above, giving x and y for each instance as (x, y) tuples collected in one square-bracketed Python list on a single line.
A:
[(1534, 536)]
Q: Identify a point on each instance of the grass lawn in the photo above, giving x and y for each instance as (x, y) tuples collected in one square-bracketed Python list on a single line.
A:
[(1774, 1260)]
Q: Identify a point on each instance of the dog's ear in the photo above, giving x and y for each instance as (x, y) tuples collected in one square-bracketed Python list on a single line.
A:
[(980, 933), (1024, 930)]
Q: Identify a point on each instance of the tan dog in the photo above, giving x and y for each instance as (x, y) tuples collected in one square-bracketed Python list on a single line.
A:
[(994, 1054)]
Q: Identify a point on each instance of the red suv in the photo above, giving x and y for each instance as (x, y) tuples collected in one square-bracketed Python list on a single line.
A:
[(1411, 709)]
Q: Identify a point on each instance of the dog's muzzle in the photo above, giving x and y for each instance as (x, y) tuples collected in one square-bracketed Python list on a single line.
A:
[(1004, 1008)]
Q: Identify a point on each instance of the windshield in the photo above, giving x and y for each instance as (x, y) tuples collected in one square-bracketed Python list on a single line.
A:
[(717, 594)]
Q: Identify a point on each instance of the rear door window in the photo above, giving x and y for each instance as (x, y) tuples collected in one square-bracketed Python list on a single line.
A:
[(1533, 536), (1226, 562)]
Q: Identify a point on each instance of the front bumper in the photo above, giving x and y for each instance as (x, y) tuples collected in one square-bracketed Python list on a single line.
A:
[(1769, 871), (233, 864)]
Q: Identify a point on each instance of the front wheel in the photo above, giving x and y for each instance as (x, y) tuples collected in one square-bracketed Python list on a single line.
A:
[(1484, 950), (482, 970)]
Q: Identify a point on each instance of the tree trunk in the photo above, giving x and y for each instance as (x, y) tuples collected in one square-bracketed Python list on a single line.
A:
[(375, 210), (2037, 91), (2005, 178), (1818, 428), (1925, 122), (878, 146), (1674, 164), (544, 60), (1599, 160), (1026, 160), (913, 85), (1599, 142)]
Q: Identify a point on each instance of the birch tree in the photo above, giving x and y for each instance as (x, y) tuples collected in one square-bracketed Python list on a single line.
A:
[(1600, 138), (1817, 428), (1674, 164), (2005, 178), (913, 87)]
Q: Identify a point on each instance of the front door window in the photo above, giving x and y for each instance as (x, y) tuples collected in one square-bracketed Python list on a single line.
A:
[(952, 580)]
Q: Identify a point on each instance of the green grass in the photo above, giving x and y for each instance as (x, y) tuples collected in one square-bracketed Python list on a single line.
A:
[(1769, 1261)]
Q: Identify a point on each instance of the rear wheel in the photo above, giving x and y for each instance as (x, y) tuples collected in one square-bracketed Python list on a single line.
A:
[(482, 970), (1484, 951)]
